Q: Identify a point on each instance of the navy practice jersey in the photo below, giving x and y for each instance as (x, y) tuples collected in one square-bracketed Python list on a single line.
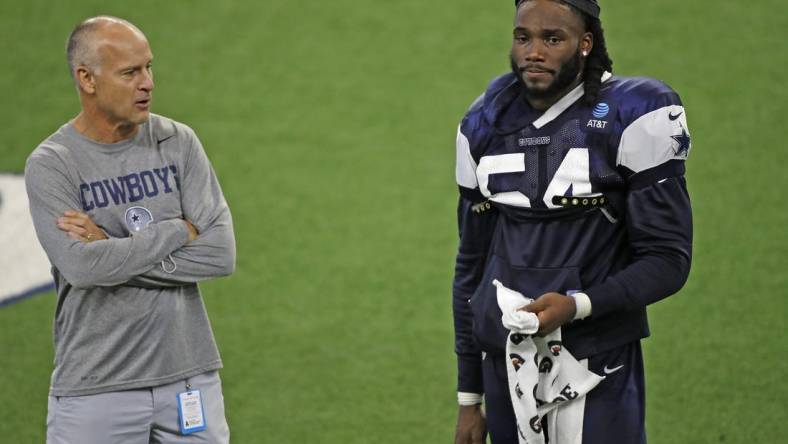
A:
[(579, 197)]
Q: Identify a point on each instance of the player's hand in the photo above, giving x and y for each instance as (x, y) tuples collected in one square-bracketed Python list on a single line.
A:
[(553, 311), (192, 230), (79, 226), (471, 425)]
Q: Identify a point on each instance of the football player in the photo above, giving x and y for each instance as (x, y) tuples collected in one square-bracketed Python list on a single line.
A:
[(572, 192)]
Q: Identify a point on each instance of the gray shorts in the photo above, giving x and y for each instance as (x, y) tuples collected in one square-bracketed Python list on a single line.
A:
[(137, 416)]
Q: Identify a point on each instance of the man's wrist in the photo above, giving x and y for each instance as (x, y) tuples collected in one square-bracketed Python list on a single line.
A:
[(466, 399), (582, 305)]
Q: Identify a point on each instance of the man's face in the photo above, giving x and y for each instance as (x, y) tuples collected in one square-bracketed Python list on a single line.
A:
[(124, 81), (546, 47)]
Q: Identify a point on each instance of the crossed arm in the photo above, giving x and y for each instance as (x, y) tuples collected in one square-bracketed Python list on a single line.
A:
[(202, 257), (80, 227), (166, 253)]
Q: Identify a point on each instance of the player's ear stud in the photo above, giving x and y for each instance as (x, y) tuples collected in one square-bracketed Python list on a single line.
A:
[(585, 53)]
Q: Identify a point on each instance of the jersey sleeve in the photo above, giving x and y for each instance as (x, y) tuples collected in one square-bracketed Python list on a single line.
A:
[(652, 152), (465, 173), (475, 233), (470, 133), (655, 140)]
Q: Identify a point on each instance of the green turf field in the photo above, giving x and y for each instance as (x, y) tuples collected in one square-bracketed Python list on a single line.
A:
[(331, 126)]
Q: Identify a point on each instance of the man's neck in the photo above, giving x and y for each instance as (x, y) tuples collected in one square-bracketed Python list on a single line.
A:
[(101, 130), (543, 103)]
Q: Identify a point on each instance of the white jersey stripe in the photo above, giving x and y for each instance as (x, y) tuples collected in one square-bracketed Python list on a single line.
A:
[(466, 167)]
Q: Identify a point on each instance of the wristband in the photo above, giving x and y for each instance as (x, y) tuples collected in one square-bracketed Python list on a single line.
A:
[(465, 398), (582, 305)]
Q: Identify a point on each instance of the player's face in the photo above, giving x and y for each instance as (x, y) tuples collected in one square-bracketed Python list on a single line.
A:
[(124, 82), (546, 51)]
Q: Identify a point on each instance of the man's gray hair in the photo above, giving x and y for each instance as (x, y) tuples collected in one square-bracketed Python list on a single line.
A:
[(81, 49)]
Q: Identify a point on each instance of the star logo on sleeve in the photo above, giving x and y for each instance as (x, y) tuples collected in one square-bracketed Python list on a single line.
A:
[(683, 141)]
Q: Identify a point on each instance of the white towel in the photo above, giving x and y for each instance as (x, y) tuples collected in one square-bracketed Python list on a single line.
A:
[(542, 375)]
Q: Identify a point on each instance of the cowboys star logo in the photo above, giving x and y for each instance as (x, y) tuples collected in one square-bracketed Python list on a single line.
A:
[(137, 218), (682, 145)]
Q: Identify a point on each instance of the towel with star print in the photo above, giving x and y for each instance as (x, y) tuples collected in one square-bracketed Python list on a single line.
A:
[(542, 374)]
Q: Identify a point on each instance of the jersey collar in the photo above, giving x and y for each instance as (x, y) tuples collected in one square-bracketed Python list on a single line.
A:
[(565, 102)]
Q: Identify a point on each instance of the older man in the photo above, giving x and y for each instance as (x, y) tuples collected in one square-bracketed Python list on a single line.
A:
[(131, 216)]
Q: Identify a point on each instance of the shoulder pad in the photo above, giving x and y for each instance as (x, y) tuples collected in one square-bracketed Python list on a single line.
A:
[(653, 123), (636, 96)]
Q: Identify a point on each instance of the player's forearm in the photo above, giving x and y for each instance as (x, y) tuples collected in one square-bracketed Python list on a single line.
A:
[(468, 352), (209, 256), (659, 224), (469, 373), (645, 281)]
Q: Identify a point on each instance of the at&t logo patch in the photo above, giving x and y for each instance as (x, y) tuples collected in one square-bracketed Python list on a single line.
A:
[(600, 110)]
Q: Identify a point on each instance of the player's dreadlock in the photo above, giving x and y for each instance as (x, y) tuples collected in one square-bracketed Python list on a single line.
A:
[(598, 61)]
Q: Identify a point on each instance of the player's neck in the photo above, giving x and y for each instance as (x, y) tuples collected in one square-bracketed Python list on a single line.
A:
[(542, 103), (100, 129)]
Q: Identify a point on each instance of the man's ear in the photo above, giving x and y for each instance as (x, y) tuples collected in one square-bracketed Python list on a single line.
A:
[(85, 79), (587, 43)]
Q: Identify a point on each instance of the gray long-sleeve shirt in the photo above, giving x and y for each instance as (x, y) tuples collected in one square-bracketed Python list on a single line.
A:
[(129, 313)]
